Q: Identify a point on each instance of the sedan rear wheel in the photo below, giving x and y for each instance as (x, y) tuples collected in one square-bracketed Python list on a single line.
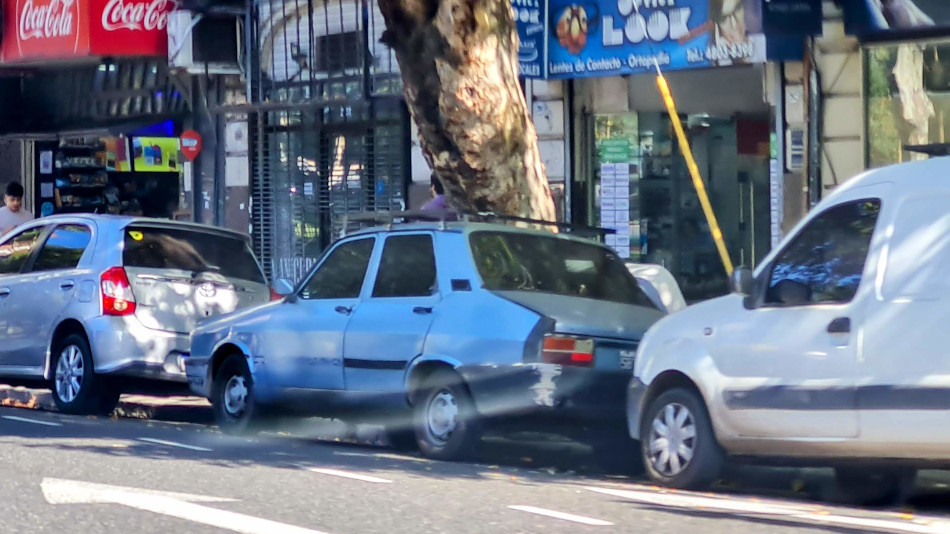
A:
[(679, 446), (445, 420)]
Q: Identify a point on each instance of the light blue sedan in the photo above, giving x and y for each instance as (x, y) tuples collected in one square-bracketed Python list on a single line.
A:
[(437, 328)]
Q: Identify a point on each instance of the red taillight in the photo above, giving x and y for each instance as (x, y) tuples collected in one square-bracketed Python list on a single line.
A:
[(568, 351), (117, 297), (275, 295)]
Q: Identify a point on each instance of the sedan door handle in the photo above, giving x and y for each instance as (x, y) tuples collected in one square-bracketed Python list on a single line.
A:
[(841, 325), (422, 310), (344, 310), (67, 285), (4, 291)]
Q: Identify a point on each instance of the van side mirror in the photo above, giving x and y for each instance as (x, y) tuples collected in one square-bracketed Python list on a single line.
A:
[(741, 281)]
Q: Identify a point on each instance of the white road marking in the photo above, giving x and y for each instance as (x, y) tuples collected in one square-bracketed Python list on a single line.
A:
[(791, 512), (346, 474), (34, 421), (175, 444), (561, 515), (57, 491)]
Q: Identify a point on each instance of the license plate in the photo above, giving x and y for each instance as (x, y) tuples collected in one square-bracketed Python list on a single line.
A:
[(626, 359)]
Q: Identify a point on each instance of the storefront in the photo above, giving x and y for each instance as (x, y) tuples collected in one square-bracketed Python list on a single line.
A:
[(628, 173), (906, 85), (98, 112), (329, 129)]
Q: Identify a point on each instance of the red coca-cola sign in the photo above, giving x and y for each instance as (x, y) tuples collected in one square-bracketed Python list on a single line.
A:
[(61, 29), (46, 28), (137, 26)]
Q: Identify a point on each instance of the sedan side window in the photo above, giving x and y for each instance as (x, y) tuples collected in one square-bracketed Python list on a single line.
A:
[(824, 263), (64, 248), (341, 275), (407, 268), (15, 251)]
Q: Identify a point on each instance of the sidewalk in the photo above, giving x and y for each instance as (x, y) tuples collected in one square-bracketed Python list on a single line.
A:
[(178, 409)]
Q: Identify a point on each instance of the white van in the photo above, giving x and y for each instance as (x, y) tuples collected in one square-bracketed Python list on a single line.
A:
[(836, 351)]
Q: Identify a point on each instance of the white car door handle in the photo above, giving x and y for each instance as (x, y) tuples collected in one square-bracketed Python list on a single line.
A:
[(66, 285), (841, 325), (4, 291)]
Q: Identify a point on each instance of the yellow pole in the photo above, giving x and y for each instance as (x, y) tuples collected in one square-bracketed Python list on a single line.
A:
[(694, 172)]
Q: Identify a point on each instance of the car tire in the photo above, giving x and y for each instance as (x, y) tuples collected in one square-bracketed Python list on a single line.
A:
[(445, 420), (232, 398), (698, 460), (890, 486), (76, 388)]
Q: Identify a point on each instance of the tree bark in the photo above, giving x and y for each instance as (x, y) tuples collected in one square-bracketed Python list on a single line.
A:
[(458, 60)]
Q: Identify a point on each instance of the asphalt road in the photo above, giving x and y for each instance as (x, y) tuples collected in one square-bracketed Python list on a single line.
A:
[(72, 474)]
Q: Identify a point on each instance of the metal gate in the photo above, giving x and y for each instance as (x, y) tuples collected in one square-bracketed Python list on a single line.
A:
[(330, 130)]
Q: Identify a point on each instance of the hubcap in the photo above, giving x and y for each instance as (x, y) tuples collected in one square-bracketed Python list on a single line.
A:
[(442, 415), (69, 373), (672, 440), (235, 396)]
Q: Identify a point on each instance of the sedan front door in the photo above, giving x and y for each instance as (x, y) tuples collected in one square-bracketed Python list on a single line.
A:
[(304, 345)]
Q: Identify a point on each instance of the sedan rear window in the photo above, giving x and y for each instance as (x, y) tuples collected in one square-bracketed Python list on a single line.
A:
[(188, 250), (509, 261)]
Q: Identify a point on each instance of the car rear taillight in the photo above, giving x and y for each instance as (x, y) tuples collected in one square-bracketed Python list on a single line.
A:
[(117, 297), (275, 295), (565, 350)]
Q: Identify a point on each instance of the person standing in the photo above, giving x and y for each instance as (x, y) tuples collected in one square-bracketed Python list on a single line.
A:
[(437, 203), (13, 214)]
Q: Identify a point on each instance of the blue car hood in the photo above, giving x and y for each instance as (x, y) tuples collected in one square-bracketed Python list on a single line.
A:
[(588, 317)]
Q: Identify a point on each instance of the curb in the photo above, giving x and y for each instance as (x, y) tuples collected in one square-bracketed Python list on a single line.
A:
[(177, 409)]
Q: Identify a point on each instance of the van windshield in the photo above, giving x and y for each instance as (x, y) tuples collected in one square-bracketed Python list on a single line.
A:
[(509, 261), (152, 247)]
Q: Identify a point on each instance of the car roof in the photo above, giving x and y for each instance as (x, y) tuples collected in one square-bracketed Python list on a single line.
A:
[(468, 227), (908, 178), (122, 221)]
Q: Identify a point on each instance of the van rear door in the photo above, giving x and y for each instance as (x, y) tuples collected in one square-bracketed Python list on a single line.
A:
[(181, 274)]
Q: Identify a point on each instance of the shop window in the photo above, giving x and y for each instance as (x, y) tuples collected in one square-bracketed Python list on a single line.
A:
[(908, 100)]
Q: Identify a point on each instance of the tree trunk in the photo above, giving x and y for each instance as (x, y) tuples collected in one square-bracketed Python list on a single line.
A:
[(458, 60)]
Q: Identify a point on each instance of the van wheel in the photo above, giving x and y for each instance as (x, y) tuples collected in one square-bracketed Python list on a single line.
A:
[(444, 417), (76, 388), (892, 486), (232, 397), (678, 444)]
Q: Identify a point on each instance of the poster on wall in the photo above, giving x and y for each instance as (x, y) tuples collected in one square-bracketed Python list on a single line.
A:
[(155, 154), (617, 145), (117, 154), (892, 18), (613, 37)]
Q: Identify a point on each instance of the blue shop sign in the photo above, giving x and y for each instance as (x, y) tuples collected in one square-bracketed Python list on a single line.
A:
[(531, 19), (611, 37)]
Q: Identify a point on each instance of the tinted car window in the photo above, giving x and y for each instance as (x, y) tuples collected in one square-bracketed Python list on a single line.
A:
[(188, 250), (15, 251), (824, 263), (407, 267), (64, 248), (509, 261), (341, 275)]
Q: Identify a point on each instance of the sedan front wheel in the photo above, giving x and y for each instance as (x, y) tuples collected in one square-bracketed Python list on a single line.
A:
[(232, 397)]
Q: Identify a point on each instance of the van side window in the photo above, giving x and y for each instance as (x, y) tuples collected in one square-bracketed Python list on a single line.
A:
[(824, 263)]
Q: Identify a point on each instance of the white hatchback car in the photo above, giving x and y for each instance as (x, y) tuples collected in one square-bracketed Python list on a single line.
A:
[(834, 352)]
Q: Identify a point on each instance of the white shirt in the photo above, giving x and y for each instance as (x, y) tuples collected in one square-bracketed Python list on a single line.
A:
[(10, 220)]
